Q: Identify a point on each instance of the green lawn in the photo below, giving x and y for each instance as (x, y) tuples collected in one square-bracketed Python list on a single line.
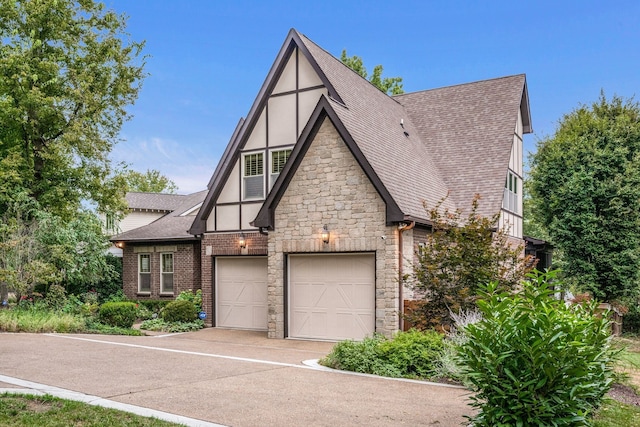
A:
[(47, 411)]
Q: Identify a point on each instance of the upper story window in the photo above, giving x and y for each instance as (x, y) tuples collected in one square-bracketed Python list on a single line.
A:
[(510, 199), (144, 273), (278, 160), (253, 176)]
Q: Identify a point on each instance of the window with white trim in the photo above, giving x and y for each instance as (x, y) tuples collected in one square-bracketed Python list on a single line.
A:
[(144, 273), (253, 176), (278, 160), (166, 273), (510, 199)]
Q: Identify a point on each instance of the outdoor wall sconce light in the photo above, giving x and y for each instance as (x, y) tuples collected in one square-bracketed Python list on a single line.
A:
[(120, 245), (325, 234), (242, 241)]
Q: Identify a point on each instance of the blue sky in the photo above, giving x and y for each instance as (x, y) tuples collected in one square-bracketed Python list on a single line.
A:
[(208, 59)]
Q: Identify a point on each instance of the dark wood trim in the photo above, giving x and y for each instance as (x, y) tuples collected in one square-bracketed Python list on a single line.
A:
[(295, 91)]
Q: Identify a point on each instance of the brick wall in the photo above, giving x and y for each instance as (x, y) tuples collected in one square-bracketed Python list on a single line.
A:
[(186, 269), (330, 188), (224, 244)]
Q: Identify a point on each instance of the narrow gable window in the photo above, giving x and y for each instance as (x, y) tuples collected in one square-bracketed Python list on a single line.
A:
[(144, 273), (166, 273), (278, 160), (253, 176), (510, 200)]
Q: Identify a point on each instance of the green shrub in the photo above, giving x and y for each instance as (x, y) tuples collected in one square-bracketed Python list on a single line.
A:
[(413, 353), (56, 297), (161, 325), (195, 299), (120, 314), (361, 356), (534, 360), (154, 305), (180, 311), (409, 354)]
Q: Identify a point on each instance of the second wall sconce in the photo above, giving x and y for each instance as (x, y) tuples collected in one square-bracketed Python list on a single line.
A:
[(325, 234)]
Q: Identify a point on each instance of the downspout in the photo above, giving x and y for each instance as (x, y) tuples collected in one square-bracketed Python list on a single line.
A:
[(401, 228)]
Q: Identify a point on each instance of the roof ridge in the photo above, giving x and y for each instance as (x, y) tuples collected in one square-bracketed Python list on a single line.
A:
[(461, 84)]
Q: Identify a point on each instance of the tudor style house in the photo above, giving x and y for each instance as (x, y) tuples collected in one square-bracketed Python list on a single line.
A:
[(318, 202)]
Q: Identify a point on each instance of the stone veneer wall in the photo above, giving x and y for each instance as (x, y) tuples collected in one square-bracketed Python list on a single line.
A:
[(331, 188), (224, 244), (186, 268)]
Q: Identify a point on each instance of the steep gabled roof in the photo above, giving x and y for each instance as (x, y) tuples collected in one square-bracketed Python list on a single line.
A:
[(172, 226), (468, 129), (399, 140)]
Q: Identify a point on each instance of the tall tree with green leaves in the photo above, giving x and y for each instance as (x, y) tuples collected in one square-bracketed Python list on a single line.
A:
[(389, 85), (151, 181), (68, 71), (585, 189)]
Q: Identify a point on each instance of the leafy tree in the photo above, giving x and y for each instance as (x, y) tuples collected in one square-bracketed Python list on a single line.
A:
[(585, 189), (67, 73), (38, 248), (151, 181), (389, 85), (459, 255)]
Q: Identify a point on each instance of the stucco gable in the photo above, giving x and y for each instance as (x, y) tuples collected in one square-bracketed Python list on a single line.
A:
[(323, 112)]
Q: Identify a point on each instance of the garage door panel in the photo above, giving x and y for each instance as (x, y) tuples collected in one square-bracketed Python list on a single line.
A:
[(241, 293), (332, 296)]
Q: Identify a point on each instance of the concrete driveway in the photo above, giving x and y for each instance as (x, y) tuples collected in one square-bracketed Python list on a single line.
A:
[(234, 378)]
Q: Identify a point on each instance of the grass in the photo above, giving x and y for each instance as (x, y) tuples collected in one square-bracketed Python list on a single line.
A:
[(46, 321), (48, 411), (616, 414), (40, 321)]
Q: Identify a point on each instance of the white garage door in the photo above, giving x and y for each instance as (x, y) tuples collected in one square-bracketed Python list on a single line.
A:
[(331, 297), (241, 293)]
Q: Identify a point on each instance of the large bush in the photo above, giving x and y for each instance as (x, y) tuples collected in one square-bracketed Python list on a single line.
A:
[(409, 354), (180, 311), (121, 314), (533, 360)]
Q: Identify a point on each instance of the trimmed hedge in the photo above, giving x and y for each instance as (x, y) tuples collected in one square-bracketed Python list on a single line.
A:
[(180, 311), (120, 314)]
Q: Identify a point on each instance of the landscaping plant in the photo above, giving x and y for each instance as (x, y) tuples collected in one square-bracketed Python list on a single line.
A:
[(121, 314), (533, 360), (409, 354)]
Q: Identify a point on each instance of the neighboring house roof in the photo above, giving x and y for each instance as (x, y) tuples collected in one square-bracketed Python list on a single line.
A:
[(415, 148), (154, 201), (172, 226)]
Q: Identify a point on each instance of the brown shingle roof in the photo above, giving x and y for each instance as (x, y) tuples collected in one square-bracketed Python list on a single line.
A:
[(171, 226), (469, 130), (154, 201)]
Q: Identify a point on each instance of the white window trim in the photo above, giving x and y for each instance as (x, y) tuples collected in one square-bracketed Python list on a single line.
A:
[(140, 255), (273, 179), (511, 198), (244, 155), (162, 273)]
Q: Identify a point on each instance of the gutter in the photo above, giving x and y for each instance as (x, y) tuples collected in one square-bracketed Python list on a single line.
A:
[(402, 227)]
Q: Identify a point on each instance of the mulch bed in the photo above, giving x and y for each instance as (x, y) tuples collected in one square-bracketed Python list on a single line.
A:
[(624, 394)]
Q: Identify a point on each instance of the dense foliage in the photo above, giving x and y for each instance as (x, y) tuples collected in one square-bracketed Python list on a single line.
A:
[(389, 85), (409, 354), (585, 190), (67, 74), (151, 181), (120, 314), (533, 360), (462, 253), (180, 311)]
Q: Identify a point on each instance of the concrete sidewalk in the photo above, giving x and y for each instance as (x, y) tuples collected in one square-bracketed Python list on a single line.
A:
[(234, 378)]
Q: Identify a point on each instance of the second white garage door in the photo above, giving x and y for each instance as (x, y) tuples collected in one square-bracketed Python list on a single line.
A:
[(241, 293), (331, 297)]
